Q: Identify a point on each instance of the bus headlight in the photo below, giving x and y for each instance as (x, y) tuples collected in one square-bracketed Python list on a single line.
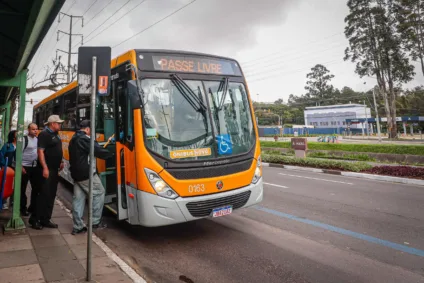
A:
[(258, 171), (159, 185)]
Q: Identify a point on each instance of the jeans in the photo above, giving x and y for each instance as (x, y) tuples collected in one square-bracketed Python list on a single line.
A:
[(78, 203)]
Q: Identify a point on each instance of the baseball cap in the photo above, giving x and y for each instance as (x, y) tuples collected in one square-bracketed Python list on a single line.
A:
[(54, 119), (85, 124)]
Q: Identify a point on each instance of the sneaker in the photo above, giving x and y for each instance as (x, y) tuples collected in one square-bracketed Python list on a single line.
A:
[(100, 225), (79, 231)]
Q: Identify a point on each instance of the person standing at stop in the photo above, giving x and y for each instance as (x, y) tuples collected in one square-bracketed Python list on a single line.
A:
[(79, 150), (50, 163), (30, 171)]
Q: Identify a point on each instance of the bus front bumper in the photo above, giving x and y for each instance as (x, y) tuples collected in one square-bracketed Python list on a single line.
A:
[(155, 211)]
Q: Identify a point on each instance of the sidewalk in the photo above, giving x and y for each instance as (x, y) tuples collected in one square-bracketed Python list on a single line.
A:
[(53, 255)]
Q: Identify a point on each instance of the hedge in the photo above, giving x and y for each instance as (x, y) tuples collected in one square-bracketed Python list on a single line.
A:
[(370, 148), (397, 171), (358, 157), (316, 163)]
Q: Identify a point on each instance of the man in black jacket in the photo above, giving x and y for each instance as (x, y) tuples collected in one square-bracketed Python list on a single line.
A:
[(79, 149)]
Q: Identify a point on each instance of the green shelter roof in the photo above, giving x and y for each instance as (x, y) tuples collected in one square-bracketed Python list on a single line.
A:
[(23, 26)]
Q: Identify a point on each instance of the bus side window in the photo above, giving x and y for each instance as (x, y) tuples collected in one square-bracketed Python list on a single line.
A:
[(69, 108), (43, 118), (120, 119), (39, 117), (105, 115), (83, 107), (57, 106), (124, 113)]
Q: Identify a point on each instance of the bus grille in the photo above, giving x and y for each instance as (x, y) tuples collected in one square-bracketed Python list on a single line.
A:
[(204, 208), (210, 172)]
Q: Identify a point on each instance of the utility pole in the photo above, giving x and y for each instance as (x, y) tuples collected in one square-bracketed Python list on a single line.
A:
[(366, 118), (69, 52), (376, 114)]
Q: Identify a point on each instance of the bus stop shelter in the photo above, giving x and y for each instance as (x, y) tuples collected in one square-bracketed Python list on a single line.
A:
[(23, 26), (405, 120)]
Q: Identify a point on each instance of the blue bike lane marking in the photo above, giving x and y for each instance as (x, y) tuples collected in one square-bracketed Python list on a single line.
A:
[(346, 232)]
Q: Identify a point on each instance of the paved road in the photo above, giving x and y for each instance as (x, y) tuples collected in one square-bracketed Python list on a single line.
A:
[(311, 227)]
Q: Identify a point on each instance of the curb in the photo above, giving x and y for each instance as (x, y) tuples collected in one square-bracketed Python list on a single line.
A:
[(129, 271), (349, 174)]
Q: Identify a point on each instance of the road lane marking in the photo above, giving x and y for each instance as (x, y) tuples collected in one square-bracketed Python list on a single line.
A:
[(319, 179), (274, 185), (395, 246)]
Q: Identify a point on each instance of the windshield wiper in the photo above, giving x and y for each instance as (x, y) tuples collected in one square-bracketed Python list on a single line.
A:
[(224, 87), (188, 93)]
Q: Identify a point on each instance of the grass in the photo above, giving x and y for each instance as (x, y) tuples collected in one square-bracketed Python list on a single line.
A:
[(316, 163), (369, 148)]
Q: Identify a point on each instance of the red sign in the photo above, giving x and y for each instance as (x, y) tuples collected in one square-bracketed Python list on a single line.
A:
[(103, 82), (299, 143)]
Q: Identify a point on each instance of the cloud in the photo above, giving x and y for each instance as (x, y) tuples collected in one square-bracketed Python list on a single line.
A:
[(215, 26)]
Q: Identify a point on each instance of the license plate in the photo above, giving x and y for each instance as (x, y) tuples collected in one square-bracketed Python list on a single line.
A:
[(221, 211)]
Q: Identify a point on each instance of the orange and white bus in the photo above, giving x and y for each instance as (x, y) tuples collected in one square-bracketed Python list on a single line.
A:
[(186, 142)]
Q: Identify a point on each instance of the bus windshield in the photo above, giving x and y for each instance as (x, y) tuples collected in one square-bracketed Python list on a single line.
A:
[(193, 119)]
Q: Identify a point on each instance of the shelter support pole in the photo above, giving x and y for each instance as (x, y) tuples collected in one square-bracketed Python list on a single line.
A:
[(16, 223)]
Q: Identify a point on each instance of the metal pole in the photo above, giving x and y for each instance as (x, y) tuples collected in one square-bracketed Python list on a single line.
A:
[(376, 115), (70, 50), (6, 122), (366, 119), (92, 163), (16, 221)]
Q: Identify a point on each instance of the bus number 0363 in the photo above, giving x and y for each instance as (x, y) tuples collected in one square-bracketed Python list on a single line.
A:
[(198, 188)]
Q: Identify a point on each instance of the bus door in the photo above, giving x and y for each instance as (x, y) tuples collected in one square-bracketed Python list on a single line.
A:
[(124, 140), (116, 176)]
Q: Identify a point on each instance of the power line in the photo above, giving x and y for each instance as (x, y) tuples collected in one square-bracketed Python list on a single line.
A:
[(113, 14), (288, 71), (98, 13), (157, 22), (70, 7), (293, 71), (70, 34), (277, 59), (114, 22), (85, 12), (271, 54), (278, 63)]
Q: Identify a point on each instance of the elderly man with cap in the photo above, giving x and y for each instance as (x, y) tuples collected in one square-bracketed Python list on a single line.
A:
[(79, 149), (49, 150)]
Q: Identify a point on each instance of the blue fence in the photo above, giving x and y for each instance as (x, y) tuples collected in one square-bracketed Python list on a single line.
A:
[(270, 131)]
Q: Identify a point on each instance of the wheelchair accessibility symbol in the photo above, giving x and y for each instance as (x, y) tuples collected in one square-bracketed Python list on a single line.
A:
[(224, 145)]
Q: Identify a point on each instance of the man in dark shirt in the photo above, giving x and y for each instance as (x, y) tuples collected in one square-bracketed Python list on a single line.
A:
[(79, 149), (50, 162)]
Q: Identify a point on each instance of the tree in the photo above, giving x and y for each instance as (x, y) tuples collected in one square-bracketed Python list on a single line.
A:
[(279, 101), (410, 24), (318, 84), (411, 102), (375, 46), (54, 77)]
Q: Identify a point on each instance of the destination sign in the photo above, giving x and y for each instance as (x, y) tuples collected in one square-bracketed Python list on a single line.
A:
[(189, 64)]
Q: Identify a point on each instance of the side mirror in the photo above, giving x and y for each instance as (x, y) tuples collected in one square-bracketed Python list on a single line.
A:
[(133, 95)]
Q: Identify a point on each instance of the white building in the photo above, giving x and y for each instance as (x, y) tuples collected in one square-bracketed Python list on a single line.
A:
[(334, 116)]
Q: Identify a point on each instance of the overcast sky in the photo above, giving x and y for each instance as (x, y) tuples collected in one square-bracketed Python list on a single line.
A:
[(275, 41)]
